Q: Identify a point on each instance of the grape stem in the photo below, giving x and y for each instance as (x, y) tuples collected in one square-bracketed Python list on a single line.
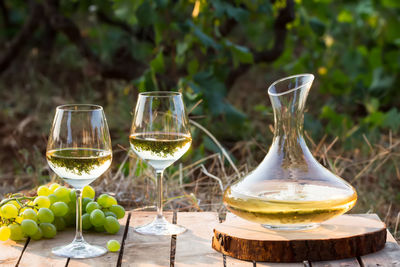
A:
[(18, 199)]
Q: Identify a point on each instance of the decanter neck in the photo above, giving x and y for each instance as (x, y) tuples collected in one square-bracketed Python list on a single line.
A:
[(288, 98), (289, 114)]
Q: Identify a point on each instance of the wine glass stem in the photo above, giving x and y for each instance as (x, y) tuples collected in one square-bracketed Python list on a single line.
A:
[(159, 174), (78, 235)]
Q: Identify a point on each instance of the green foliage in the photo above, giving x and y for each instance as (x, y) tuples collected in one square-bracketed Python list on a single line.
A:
[(192, 46), (353, 47)]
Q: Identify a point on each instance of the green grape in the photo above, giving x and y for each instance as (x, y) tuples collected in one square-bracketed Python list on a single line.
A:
[(5, 233), (111, 225), (29, 227), (113, 245), (86, 224), (52, 198), (48, 230), (9, 211), (41, 202), (43, 191), (109, 213), (53, 187), (18, 219), (15, 203), (85, 201), (21, 210), (59, 223), (99, 229), (118, 210), (106, 201), (38, 235), (62, 194), (97, 218), (102, 200), (30, 214), (45, 215), (16, 232), (59, 208), (88, 191), (72, 195), (72, 206), (70, 218), (91, 206)]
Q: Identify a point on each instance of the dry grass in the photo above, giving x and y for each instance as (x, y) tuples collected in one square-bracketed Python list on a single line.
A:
[(194, 185), (199, 186)]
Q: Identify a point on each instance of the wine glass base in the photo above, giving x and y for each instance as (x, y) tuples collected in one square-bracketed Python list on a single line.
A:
[(79, 250), (291, 227), (160, 226)]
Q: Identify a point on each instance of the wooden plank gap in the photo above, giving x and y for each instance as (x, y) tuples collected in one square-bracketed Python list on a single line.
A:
[(224, 259), (221, 216), (173, 242), (254, 264), (66, 264), (121, 251), (360, 261), (307, 263), (23, 250)]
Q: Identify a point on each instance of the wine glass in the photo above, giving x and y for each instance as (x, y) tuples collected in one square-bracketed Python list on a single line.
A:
[(160, 136), (79, 151)]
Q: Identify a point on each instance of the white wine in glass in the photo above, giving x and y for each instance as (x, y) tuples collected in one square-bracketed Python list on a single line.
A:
[(160, 135), (79, 151)]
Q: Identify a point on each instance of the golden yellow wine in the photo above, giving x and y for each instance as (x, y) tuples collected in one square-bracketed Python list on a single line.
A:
[(79, 165), (160, 149), (274, 210)]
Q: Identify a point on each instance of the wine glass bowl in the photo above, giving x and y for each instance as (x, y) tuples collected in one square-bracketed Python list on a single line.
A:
[(160, 136), (79, 151)]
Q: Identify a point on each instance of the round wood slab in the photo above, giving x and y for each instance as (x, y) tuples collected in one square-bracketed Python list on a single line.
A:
[(345, 236)]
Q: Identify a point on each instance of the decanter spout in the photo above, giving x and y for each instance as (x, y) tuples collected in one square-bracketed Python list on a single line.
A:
[(288, 97)]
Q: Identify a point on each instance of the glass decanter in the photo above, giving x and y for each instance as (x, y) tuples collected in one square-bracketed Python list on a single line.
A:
[(290, 189)]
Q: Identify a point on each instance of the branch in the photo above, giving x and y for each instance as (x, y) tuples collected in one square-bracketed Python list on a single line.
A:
[(141, 35), (127, 69), (22, 38), (285, 16), (102, 16)]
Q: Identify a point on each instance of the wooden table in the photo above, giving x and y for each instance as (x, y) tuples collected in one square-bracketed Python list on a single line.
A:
[(193, 248)]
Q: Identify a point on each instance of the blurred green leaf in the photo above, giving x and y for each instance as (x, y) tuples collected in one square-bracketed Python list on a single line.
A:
[(392, 120), (204, 38), (237, 13), (317, 26), (372, 105), (157, 64), (240, 54), (391, 3), (145, 14), (193, 66), (381, 80), (345, 16)]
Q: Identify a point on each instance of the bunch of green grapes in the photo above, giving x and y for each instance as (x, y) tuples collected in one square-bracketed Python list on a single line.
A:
[(54, 209)]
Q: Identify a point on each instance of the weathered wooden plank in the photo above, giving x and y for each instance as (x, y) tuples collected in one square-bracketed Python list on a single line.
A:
[(388, 256), (10, 252), (193, 248), (38, 253), (353, 262), (101, 239), (232, 262), (146, 250)]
